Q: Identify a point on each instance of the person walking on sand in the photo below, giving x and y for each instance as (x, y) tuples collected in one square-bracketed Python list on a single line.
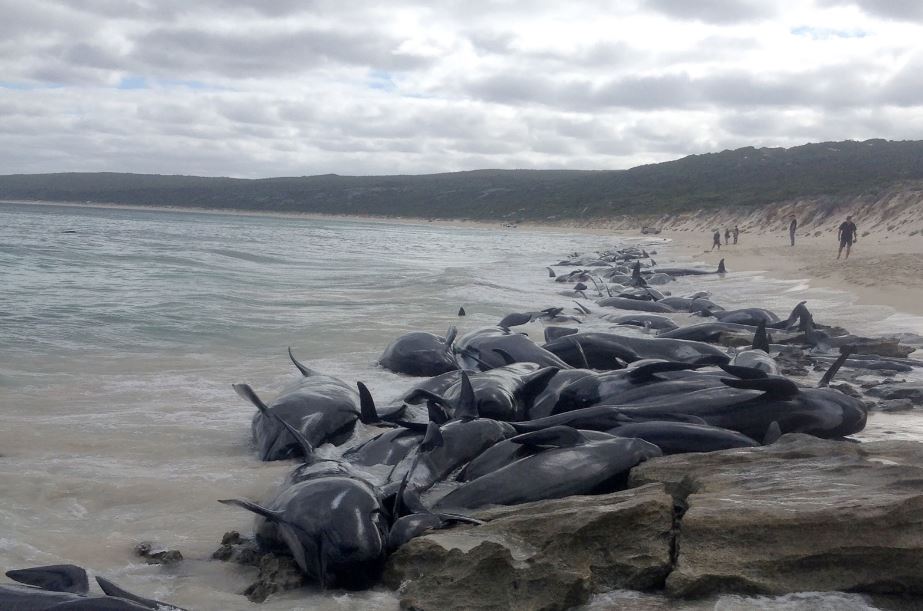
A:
[(727, 236), (792, 227), (716, 240), (847, 235), (736, 233)]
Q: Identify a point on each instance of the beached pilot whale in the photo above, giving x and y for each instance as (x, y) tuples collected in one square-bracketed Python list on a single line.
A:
[(505, 393), (333, 525), (567, 463), (478, 349), (65, 586), (420, 354), (602, 349), (323, 408), (691, 271)]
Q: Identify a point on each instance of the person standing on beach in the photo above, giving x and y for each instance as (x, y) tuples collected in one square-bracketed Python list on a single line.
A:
[(727, 236), (792, 227), (716, 240), (847, 235), (736, 233)]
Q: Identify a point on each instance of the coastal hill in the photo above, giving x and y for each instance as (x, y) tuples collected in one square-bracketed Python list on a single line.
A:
[(744, 179)]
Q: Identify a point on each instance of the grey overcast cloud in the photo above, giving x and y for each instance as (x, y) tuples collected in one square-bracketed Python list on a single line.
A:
[(289, 88)]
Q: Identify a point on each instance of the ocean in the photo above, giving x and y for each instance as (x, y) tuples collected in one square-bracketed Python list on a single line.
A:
[(122, 332)]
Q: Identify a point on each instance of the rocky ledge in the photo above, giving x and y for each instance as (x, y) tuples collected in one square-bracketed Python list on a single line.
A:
[(803, 514)]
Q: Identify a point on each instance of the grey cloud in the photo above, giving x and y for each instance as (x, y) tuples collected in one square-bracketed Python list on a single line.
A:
[(714, 11), (901, 10), (261, 54)]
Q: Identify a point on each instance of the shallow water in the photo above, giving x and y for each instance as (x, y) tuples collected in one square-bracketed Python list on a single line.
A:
[(120, 342)]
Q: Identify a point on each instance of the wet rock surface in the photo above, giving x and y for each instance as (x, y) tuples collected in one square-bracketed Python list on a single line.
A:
[(544, 555), (801, 515), (276, 572), (157, 554)]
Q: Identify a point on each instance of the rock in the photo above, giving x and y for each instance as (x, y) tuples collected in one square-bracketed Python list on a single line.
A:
[(847, 389), (154, 554), (544, 555), (913, 391), (793, 361), (894, 405), (884, 346), (803, 514), (277, 574)]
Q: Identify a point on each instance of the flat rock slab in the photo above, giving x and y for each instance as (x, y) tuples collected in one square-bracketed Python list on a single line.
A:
[(544, 555), (803, 514)]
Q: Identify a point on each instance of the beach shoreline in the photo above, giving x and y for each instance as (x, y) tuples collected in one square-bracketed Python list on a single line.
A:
[(885, 267)]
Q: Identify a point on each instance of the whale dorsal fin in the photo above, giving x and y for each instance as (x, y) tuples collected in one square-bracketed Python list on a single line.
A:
[(304, 369), (368, 414), (54, 578), (467, 408), (721, 268), (760, 339)]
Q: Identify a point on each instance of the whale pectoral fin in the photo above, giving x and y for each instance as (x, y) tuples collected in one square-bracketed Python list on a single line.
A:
[(368, 414), (54, 578), (457, 518), (269, 514), (552, 437), (580, 352), (773, 432), (305, 370), (506, 356), (435, 413), (111, 589), (244, 391), (536, 382), (290, 537), (582, 307), (744, 373), (647, 372), (450, 336), (773, 386), (845, 351), (306, 446)]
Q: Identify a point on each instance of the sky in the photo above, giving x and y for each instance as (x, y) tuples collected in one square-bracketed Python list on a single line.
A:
[(354, 87)]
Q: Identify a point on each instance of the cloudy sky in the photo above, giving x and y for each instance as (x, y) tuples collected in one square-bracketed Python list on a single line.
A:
[(256, 88)]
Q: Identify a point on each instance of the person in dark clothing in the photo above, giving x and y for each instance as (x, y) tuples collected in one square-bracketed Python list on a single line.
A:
[(727, 236), (736, 233), (716, 240), (847, 235), (792, 227)]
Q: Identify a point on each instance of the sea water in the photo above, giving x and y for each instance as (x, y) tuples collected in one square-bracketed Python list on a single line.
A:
[(121, 332)]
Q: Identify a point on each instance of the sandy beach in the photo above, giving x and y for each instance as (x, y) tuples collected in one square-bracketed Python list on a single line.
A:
[(881, 270)]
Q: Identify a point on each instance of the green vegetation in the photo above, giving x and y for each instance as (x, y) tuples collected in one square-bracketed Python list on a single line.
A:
[(742, 178)]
